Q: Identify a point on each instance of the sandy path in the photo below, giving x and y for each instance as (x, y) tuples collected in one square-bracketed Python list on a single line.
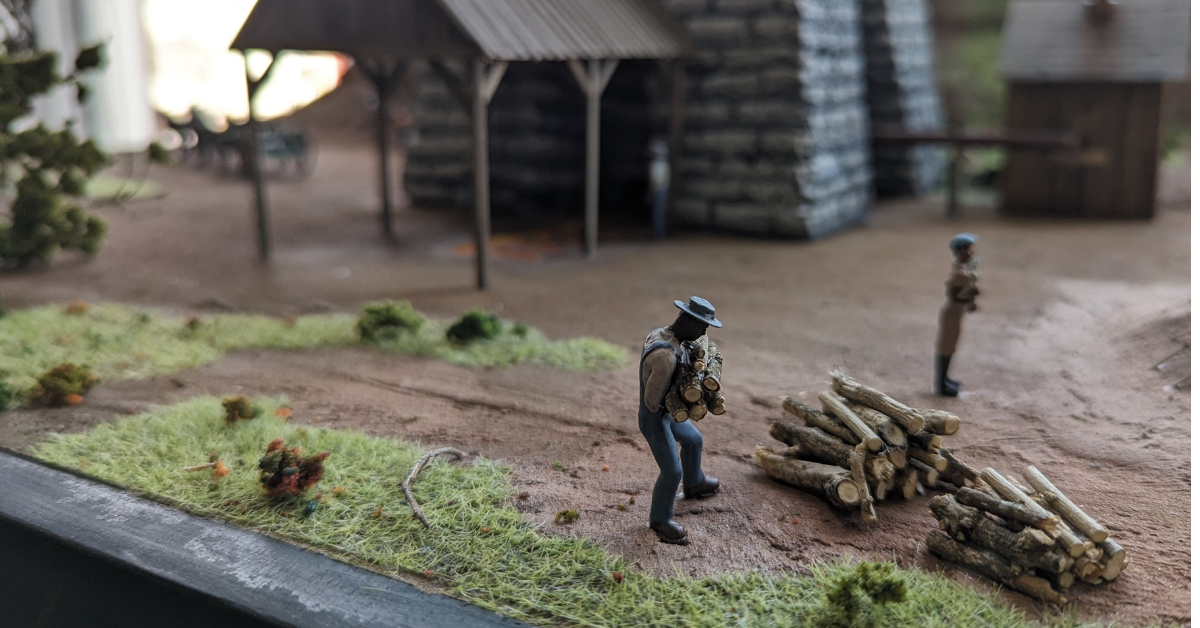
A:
[(1058, 361)]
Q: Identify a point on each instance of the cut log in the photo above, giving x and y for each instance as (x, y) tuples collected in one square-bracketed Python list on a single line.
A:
[(986, 562), (1028, 548), (714, 398), (675, 406), (909, 419), (940, 421), (1014, 511), (857, 458), (1115, 558), (1037, 588), (838, 409), (712, 380), (1049, 522), (697, 412), (689, 386), (1087, 568), (827, 481), (927, 440), (960, 467), (1062, 581), (926, 474), (931, 460), (898, 456), (810, 443), (888, 430), (1069, 540), (908, 488), (1063, 506), (717, 410), (815, 418)]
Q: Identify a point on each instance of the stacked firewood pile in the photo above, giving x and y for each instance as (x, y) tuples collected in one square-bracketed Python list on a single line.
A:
[(1036, 541), (862, 446), (697, 389)]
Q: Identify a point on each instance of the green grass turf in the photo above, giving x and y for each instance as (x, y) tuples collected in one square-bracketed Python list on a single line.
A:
[(480, 547), (120, 342)]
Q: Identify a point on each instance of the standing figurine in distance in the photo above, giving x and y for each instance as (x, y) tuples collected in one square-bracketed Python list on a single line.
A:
[(960, 299), (661, 355)]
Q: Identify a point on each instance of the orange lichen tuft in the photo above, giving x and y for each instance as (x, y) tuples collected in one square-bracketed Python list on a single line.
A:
[(73, 399), (604, 468), (378, 512), (338, 491), (220, 470), (78, 308), (618, 577), (284, 413)]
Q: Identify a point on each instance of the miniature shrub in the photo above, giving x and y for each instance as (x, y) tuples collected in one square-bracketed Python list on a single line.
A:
[(520, 330), (475, 325), (7, 395), (239, 409), (856, 597), (285, 471), (386, 320), (63, 385)]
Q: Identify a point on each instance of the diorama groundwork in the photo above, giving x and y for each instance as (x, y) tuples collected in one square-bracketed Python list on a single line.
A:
[(479, 546), (1072, 364)]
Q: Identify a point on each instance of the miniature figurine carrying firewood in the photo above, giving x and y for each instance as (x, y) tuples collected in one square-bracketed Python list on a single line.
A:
[(667, 368), (960, 299)]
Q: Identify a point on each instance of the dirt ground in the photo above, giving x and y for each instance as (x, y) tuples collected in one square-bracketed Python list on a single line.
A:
[(1059, 364)]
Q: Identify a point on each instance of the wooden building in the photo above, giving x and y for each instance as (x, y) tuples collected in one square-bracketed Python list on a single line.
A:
[(1095, 69)]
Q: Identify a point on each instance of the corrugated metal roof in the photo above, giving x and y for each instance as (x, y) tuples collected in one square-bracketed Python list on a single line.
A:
[(371, 28), (509, 30), (1053, 40), (544, 30)]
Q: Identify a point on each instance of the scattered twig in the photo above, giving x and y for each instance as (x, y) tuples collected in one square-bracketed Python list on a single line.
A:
[(425, 460)]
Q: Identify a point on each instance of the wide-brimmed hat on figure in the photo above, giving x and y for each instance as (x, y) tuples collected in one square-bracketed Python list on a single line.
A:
[(701, 310)]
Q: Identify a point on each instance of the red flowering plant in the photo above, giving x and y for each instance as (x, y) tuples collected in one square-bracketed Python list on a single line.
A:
[(284, 471)]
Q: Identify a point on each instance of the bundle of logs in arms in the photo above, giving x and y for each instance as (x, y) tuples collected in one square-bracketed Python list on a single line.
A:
[(697, 389), (863, 446)]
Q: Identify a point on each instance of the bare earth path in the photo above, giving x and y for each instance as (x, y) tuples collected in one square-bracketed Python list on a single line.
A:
[(1058, 362)]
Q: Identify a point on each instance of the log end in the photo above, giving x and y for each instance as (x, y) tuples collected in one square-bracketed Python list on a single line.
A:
[(847, 493)]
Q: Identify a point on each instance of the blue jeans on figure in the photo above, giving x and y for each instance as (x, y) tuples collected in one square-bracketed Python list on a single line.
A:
[(662, 433)]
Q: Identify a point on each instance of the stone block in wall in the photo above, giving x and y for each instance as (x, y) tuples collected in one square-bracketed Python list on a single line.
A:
[(715, 29), (743, 217)]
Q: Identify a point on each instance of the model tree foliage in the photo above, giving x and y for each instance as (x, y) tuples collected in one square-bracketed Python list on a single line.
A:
[(44, 170)]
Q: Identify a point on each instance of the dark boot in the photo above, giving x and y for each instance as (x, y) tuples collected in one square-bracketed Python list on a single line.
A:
[(949, 380), (670, 532), (705, 488), (940, 384)]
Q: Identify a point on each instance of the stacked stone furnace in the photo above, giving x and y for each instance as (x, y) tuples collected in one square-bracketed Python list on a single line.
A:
[(903, 91), (776, 124)]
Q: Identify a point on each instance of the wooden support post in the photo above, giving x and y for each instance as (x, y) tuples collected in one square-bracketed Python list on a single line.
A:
[(675, 140), (592, 81), (953, 165), (385, 81), (254, 162), (484, 82)]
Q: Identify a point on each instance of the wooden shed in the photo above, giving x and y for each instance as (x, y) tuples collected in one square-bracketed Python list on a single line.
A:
[(1095, 69), (385, 36)]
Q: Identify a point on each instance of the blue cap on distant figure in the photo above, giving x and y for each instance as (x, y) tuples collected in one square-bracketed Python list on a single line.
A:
[(701, 310), (962, 241)]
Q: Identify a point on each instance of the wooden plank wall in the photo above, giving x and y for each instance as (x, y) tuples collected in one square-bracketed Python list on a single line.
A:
[(1116, 173)]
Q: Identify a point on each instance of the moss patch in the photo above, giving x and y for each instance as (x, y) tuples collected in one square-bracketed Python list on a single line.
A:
[(120, 342), (480, 547)]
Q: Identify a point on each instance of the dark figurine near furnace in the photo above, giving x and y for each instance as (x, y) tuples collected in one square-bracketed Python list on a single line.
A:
[(960, 299), (675, 444)]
